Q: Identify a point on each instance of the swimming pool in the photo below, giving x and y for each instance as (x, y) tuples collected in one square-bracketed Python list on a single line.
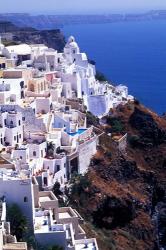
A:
[(79, 132)]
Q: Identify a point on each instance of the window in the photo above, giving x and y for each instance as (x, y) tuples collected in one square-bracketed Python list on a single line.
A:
[(25, 199), (21, 157), (58, 167), (19, 122), (20, 136), (34, 153), (15, 138), (45, 181), (23, 118)]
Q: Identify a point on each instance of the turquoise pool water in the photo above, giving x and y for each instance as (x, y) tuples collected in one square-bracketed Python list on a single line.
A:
[(79, 132)]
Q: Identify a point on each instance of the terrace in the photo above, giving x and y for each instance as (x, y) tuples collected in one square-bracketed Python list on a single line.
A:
[(55, 156), (6, 174), (89, 244), (44, 222), (66, 212), (47, 199)]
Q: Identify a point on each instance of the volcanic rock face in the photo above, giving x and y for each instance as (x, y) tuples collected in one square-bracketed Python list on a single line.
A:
[(107, 214), (147, 127), (124, 195), (51, 38)]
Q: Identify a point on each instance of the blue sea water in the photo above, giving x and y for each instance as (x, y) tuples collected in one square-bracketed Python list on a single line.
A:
[(130, 53)]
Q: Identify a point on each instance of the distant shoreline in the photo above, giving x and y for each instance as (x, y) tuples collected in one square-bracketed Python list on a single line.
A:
[(59, 21)]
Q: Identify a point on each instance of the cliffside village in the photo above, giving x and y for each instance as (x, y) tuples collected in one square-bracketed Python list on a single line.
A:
[(44, 136)]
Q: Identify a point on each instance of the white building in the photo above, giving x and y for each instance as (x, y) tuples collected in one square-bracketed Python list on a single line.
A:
[(98, 97), (17, 188), (59, 226), (44, 134), (11, 131), (19, 53)]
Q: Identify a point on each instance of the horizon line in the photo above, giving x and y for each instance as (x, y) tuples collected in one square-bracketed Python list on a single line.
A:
[(51, 12)]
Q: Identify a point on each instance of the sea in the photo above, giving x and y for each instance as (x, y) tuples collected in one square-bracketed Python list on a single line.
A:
[(129, 53)]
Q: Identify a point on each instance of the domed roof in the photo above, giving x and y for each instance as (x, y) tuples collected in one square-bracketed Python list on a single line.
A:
[(71, 39), (72, 43)]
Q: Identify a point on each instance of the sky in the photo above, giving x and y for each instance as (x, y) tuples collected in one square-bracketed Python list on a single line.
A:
[(79, 6)]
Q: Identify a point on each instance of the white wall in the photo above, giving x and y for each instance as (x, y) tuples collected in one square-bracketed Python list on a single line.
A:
[(52, 238), (15, 191), (97, 105), (42, 104), (39, 149), (22, 154), (86, 152)]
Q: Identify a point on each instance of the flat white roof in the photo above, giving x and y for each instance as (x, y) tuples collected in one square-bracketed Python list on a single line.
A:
[(21, 49), (45, 198), (64, 215), (41, 224)]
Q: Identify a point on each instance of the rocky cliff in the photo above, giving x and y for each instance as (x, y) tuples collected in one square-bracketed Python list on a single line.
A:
[(123, 196), (52, 38)]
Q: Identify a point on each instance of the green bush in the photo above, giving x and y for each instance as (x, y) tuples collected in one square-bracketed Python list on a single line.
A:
[(115, 123), (17, 220), (56, 189), (91, 119), (101, 77), (80, 182)]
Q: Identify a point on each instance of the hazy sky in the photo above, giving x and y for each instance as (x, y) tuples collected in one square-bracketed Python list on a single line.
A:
[(79, 6)]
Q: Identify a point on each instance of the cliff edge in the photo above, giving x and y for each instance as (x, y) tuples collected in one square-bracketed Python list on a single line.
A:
[(123, 196)]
